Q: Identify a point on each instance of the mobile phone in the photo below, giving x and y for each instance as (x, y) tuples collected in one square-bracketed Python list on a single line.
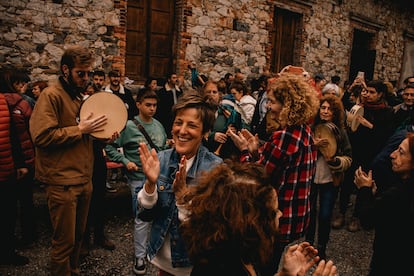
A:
[(361, 75)]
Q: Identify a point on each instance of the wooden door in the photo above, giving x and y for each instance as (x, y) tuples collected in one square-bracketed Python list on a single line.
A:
[(284, 39), (363, 55), (150, 34)]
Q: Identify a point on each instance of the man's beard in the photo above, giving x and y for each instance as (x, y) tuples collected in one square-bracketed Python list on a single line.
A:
[(97, 86), (75, 87)]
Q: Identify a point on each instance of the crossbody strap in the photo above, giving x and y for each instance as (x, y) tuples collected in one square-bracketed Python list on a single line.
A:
[(144, 132)]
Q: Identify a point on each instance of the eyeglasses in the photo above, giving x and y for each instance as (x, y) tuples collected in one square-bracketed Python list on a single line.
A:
[(82, 74)]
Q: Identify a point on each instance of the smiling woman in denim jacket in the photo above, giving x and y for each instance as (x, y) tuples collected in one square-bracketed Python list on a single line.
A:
[(193, 119)]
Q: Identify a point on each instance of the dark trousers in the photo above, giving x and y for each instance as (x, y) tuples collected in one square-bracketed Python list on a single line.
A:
[(25, 202), (97, 208), (8, 201), (346, 189), (321, 214)]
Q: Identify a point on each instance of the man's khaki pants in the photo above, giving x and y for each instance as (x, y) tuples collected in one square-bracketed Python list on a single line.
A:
[(68, 209)]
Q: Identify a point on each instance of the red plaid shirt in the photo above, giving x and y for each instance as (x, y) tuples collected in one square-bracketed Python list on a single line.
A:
[(290, 158)]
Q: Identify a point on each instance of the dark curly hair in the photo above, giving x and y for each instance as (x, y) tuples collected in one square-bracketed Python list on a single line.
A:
[(231, 210), (335, 104)]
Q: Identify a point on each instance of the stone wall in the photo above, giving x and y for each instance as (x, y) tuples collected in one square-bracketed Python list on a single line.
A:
[(326, 36), (34, 33)]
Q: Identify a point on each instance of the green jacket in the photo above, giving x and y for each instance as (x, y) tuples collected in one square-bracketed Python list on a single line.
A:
[(129, 140)]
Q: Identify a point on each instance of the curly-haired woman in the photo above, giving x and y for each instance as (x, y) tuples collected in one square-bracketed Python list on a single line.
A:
[(289, 155), (330, 167), (235, 236)]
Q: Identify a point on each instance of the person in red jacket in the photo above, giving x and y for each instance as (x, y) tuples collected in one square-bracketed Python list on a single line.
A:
[(21, 110), (12, 168)]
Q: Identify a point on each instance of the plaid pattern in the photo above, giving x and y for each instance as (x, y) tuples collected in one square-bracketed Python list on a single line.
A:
[(290, 158)]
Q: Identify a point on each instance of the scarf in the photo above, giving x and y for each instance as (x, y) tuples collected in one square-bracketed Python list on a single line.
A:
[(374, 106)]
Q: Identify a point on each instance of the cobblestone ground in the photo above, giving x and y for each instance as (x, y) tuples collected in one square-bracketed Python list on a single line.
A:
[(350, 251)]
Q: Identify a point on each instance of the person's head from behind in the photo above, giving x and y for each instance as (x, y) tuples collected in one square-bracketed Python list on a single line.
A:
[(320, 80), (13, 80), (228, 78), (402, 158), (193, 118), (331, 109), (408, 95), (336, 79), (76, 66), (262, 81), (239, 76), (291, 100), (147, 102), (98, 79), (151, 83), (330, 88), (233, 209), (210, 89), (37, 88), (355, 94)]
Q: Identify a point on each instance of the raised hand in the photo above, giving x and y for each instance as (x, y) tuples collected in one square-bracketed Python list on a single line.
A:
[(150, 165), (298, 259), (363, 179), (325, 269), (180, 184)]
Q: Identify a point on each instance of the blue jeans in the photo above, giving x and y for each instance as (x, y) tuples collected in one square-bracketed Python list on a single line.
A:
[(323, 216), (141, 228)]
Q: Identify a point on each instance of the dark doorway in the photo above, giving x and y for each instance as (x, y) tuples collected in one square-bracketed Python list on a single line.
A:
[(362, 55), (285, 37), (149, 42)]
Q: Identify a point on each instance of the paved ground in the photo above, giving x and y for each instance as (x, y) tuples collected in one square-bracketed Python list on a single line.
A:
[(350, 251)]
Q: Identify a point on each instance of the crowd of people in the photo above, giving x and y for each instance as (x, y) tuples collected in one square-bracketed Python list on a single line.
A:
[(227, 177)]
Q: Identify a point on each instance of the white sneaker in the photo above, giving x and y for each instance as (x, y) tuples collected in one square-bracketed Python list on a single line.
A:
[(109, 188), (139, 266)]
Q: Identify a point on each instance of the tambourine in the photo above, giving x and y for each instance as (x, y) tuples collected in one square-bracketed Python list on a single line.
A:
[(330, 132), (351, 120), (109, 104)]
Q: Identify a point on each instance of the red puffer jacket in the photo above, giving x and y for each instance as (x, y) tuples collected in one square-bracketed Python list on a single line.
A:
[(6, 157), (21, 112)]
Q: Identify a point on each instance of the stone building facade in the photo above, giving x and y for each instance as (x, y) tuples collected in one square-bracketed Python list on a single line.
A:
[(219, 36)]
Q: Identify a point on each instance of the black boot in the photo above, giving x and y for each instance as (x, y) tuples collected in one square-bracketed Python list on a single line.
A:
[(14, 259), (322, 252)]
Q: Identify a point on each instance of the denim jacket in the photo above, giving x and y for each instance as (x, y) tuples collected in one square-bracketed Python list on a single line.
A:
[(166, 219)]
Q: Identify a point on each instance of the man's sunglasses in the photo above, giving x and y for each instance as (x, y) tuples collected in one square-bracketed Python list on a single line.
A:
[(82, 74)]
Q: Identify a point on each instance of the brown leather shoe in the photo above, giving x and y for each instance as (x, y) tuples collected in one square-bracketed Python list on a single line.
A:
[(338, 222), (105, 244)]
